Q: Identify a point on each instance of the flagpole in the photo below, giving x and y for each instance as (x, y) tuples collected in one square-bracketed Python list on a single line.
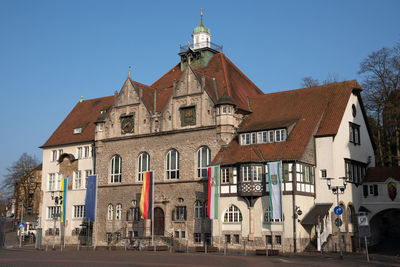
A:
[(152, 213)]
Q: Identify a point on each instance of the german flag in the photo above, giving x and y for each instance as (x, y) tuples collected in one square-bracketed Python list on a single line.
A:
[(146, 198)]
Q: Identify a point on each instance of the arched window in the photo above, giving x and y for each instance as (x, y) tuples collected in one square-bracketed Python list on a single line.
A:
[(110, 213), (198, 209), (116, 169), (233, 214), (173, 164), (118, 212), (143, 165), (203, 160), (350, 216)]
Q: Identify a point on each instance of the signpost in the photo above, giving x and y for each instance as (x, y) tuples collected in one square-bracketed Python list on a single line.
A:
[(364, 230)]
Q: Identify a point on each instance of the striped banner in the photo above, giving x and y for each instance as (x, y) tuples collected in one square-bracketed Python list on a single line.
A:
[(64, 189), (213, 192), (275, 193), (146, 198)]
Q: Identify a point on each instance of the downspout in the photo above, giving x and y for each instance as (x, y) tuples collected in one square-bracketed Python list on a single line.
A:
[(294, 175)]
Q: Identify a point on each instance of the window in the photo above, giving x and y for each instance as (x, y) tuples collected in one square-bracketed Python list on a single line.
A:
[(77, 180), (133, 214), (100, 127), (253, 138), (79, 152), (118, 212), (53, 155), (224, 110), (354, 133), (271, 136), (183, 234), (262, 137), (79, 211), (109, 238), (203, 160), (257, 173), (117, 236), (236, 239), (197, 237), (323, 173), (173, 164), (228, 239), (370, 190), (60, 152), (268, 239), (116, 165), (245, 139), (198, 209), (207, 237), (177, 234), (246, 173), (52, 177), (278, 240), (280, 135), (355, 171), (226, 176), (143, 165), (110, 212), (179, 213), (87, 152), (77, 130), (267, 217), (53, 211), (87, 174), (233, 215), (58, 182)]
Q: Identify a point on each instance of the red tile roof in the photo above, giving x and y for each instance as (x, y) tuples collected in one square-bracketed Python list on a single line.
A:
[(83, 115), (381, 174), (303, 108)]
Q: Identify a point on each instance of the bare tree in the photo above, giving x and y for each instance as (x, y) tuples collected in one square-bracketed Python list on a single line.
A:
[(18, 178), (331, 78), (309, 81), (381, 71)]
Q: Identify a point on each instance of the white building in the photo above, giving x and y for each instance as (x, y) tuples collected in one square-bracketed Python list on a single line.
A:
[(69, 153)]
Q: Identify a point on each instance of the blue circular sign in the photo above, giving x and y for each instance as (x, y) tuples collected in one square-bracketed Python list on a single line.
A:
[(21, 225), (338, 210)]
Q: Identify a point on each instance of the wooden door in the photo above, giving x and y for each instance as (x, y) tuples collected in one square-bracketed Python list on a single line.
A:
[(158, 221)]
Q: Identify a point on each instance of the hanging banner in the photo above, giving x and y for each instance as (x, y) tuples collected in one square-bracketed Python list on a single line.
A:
[(275, 192), (64, 189), (213, 192), (146, 197), (90, 200)]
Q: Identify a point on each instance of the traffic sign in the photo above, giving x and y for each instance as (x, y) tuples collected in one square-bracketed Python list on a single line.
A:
[(362, 220), (338, 222), (36, 224), (338, 210), (364, 231), (21, 225)]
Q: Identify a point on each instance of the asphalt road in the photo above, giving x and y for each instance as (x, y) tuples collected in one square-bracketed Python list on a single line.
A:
[(31, 257)]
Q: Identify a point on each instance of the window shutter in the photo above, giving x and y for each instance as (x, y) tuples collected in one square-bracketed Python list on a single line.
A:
[(375, 189), (365, 190), (231, 176)]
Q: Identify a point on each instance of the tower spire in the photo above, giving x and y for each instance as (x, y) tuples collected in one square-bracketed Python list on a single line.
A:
[(201, 16), (129, 72)]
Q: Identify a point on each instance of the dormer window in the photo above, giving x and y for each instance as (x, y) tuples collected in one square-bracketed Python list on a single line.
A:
[(263, 137), (78, 130), (226, 109), (100, 127)]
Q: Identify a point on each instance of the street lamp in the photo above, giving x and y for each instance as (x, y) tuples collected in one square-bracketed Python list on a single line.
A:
[(337, 190)]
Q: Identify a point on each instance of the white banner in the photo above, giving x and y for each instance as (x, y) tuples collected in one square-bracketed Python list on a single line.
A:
[(275, 194)]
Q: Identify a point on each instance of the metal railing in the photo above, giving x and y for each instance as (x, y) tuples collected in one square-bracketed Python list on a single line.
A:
[(184, 48)]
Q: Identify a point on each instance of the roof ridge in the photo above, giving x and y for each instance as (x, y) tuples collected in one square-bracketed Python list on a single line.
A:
[(225, 74), (165, 75)]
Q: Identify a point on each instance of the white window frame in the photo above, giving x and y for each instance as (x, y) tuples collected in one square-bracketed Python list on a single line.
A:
[(256, 173), (172, 168), (253, 138), (143, 165), (78, 212), (53, 155), (201, 165), (51, 210), (77, 184), (115, 171), (233, 215), (110, 212), (52, 181), (267, 216), (87, 152), (87, 174), (100, 127), (57, 185), (225, 175), (245, 139), (271, 136), (79, 152), (246, 173)]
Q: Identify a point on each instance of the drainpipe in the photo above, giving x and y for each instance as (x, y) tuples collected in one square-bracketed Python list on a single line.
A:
[(294, 177)]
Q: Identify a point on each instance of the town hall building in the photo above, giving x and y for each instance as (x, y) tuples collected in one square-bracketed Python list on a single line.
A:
[(204, 111)]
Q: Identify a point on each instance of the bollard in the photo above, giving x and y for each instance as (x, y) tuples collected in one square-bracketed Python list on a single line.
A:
[(225, 248)]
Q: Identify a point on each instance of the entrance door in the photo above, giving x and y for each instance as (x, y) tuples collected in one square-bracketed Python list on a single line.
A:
[(158, 221)]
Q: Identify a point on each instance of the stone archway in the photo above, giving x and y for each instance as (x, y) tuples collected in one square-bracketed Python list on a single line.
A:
[(159, 220), (385, 231)]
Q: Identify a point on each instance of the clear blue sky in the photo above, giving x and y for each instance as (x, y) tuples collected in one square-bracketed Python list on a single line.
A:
[(52, 52)]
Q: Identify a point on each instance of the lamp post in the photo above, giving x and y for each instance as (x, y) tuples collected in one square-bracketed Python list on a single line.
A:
[(337, 190)]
